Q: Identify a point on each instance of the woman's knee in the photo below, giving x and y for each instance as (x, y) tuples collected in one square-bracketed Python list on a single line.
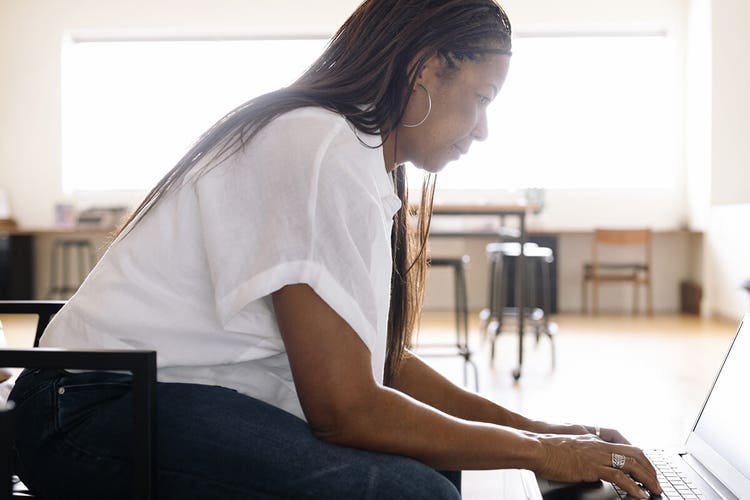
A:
[(407, 478)]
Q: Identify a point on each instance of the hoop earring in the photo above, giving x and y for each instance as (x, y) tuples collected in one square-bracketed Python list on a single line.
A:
[(429, 109)]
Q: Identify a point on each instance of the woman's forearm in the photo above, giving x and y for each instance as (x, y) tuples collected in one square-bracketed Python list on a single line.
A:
[(392, 422), (420, 381)]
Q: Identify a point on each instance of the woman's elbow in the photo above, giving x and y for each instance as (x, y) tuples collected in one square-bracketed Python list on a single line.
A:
[(344, 425)]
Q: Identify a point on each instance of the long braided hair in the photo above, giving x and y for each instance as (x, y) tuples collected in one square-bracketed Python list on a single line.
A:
[(372, 60)]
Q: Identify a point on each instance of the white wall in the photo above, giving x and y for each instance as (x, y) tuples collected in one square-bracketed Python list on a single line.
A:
[(727, 241), (32, 33)]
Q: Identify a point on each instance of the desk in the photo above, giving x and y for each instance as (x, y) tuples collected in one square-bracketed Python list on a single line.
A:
[(24, 256), (500, 211)]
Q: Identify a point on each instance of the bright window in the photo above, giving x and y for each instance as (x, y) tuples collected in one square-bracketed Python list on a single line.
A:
[(575, 112), (131, 109), (579, 112)]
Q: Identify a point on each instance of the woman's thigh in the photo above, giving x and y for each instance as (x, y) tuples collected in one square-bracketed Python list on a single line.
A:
[(212, 443)]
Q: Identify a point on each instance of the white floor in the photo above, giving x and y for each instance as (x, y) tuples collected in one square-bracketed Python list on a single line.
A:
[(645, 376)]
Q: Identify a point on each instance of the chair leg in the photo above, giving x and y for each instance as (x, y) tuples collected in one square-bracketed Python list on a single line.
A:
[(636, 296), (649, 297), (584, 298), (595, 297)]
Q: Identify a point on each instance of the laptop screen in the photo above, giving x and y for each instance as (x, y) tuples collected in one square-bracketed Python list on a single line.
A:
[(721, 437)]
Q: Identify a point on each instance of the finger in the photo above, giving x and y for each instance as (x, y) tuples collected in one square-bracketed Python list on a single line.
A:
[(642, 473), (641, 467), (619, 438), (622, 480), (613, 436)]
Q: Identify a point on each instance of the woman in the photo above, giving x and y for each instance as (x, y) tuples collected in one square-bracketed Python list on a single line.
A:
[(274, 273)]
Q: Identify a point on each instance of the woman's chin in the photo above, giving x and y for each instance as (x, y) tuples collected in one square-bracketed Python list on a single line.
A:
[(434, 166)]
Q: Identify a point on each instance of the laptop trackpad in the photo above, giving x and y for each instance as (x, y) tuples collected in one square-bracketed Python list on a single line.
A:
[(554, 490)]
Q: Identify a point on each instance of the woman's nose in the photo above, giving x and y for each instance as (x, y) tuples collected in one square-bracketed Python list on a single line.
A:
[(481, 131)]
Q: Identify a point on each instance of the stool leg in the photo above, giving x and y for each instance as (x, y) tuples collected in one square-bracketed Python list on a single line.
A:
[(52, 272), (464, 311), (457, 303), (66, 270), (531, 302), (486, 315), (499, 304), (546, 292), (83, 252), (547, 297)]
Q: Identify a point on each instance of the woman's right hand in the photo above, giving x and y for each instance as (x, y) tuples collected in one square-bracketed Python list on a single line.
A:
[(574, 458)]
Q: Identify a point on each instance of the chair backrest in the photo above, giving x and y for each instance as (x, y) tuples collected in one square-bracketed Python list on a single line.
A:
[(6, 450), (637, 238), (141, 363), (622, 236)]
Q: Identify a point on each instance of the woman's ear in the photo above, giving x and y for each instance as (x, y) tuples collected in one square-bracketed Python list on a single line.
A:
[(430, 71)]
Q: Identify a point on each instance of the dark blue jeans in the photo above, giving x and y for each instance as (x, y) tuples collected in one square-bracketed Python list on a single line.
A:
[(75, 433)]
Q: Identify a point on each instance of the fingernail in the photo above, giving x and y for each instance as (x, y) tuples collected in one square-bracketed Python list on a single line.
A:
[(644, 494)]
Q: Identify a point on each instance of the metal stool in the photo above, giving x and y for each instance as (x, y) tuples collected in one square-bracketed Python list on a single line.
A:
[(500, 256), (461, 304), (66, 254)]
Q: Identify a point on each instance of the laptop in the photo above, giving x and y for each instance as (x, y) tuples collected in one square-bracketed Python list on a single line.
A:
[(715, 461)]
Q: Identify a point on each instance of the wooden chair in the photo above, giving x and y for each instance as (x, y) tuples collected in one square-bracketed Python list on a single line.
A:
[(142, 364), (605, 266)]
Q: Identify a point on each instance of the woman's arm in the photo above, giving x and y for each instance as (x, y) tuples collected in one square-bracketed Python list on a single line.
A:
[(344, 405), (417, 379)]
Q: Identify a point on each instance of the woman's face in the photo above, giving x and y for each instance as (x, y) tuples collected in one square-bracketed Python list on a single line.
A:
[(459, 111)]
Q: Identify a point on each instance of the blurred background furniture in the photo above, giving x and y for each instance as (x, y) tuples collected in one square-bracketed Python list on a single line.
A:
[(619, 256), (70, 262), (461, 309), (16, 265), (501, 212), (537, 304)]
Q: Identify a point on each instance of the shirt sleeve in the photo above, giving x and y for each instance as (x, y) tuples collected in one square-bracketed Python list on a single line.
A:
[(293, 207)]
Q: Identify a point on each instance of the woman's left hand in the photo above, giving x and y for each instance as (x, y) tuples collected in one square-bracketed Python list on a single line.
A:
[(609, 435), (603, 433)]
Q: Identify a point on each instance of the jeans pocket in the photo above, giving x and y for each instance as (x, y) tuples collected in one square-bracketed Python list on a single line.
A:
[(79, 396), (31, 382)]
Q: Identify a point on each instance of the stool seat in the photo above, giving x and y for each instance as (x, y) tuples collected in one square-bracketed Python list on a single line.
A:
[(513, 249), (500, 254)]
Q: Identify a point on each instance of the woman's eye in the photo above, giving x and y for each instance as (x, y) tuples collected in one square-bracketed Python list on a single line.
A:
[(484, 100)]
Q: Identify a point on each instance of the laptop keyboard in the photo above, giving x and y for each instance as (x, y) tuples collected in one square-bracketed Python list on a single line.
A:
[(671, 478)]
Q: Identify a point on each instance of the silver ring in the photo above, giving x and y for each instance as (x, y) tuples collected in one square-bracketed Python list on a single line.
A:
[(618, 461)]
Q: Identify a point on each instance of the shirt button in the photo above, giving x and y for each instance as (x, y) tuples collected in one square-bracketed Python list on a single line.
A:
[(61, 390)]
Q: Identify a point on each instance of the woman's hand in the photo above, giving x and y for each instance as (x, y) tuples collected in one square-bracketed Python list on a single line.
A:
[(609, 435), (605, 434), (574, 458)]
